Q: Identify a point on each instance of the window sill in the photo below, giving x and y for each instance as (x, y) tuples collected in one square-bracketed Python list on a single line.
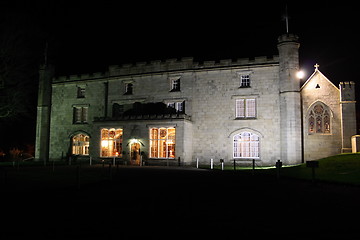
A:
[(246, 159), (246, 118), (175, 90)]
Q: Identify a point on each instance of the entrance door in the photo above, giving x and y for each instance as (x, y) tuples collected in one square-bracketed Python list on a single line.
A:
[(135, 154)]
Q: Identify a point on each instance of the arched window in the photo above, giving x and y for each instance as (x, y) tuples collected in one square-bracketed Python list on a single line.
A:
[(111, 142), (319, 119), (80, 144), (162, 142), (246, 145)]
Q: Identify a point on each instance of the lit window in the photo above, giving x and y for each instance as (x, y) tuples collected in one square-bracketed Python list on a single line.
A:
[(245, 108), (80, 144), (80, 114), (162, 142), (244, 81), (319, 119), (246, 145), (111, 142)]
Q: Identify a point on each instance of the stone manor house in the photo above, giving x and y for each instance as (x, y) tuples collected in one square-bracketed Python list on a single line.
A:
[(183, 110)]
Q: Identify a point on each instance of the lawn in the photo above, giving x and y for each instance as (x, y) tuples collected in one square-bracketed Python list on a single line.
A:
[(342, 168)]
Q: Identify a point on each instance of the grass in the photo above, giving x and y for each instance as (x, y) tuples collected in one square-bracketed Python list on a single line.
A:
[(342, 168)]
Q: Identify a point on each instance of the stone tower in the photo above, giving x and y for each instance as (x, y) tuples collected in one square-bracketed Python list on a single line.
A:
[(290, 102), (348, 114), (43, 113)]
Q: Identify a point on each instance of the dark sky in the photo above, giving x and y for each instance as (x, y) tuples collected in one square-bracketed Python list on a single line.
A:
[(87, 36)]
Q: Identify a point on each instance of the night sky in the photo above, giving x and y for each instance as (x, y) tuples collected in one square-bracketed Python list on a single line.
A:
[(88, 36)]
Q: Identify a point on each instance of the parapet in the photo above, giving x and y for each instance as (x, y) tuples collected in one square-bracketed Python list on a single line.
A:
[(184, 64), (169, 65), (80, 77), (347, 91)]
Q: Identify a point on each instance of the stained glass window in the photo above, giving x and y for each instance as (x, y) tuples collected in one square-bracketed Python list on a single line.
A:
[(319, 120)]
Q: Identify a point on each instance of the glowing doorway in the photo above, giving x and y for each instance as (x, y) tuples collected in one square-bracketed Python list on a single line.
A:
[(135, 154)]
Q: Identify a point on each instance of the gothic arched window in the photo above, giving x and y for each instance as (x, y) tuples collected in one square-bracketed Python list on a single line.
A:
[(319, 119), (246, 145), (80, 144)]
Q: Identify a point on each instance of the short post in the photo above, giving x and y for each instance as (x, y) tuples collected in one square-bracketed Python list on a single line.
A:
[(312, 165), (211, 163), (90, 160), (222, 164), (278, 165), (114, 159), (179, 162), (197, 162), (103, 167), (234, 165), (253, 166)]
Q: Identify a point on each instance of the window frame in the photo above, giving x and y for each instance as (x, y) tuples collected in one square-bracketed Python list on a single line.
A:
[(80, 114), (81, 91), (252, 147), (117, 143), (319, 123), (246, 108), (175, 84), (84, 145), (156, 142), (245, 81)]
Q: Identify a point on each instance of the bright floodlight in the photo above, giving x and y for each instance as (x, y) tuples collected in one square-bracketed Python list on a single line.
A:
[(300, 74)]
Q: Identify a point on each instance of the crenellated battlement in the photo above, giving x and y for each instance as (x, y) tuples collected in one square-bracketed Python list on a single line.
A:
[(169, 65), (86, 76), (186, 63), (347, 91)]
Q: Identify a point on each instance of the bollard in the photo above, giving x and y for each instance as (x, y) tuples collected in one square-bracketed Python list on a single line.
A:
[(114, 159), (197, 162), (211, 163), (278, 165), (312, 165), (222, 164), (90, 159), (253, 166)]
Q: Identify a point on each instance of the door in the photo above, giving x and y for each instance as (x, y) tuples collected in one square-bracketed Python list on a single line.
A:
[(135, 154)]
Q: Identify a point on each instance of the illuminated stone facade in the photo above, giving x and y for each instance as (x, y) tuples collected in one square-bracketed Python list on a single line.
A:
[(181, 109)]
